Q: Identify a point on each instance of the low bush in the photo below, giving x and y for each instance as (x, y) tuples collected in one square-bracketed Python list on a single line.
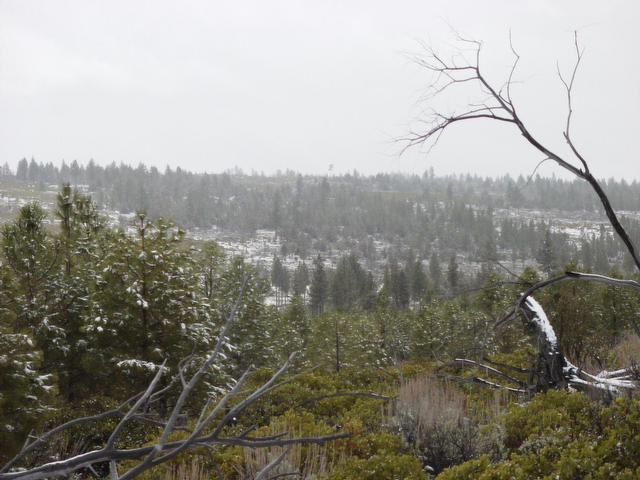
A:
[(564, 435), (443, 425)]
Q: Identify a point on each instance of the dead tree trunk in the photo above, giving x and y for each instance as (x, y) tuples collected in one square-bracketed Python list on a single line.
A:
[(551, 368)]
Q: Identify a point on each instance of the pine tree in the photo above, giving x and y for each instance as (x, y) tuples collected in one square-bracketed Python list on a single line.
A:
[(319, 291), (27, 395), (78, 238), (280, 280), (349, 284), (21, 171), (250, 338), (293, 332), (435, 271), (546, 255), (330, 337), (211, 258), (402, 290), (6, 170), (301, 280), (31, 256), (418, 282), (144, 304), (453, 274), (586, 254)]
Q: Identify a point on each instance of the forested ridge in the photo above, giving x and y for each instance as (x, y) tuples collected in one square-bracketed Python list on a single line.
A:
[(476, 219), (90, 311), (158, 323)]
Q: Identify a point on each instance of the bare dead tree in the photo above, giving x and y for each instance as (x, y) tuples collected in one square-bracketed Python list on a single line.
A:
[(207, 431), (552, 369)]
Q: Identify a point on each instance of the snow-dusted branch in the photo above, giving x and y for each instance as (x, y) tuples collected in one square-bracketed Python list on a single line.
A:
[(207, 431), (555, 371), (549, 368), (486, 368), (41, 440), (482, 382), (570, 275), (552, 369)]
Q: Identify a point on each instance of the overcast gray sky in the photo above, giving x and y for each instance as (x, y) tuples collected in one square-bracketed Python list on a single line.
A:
[(301, 85)]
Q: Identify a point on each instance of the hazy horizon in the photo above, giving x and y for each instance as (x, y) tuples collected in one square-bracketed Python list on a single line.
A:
[(237, 171), (314, 88)]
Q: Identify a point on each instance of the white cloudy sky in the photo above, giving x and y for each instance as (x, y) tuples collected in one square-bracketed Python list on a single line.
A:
[(284, 84)]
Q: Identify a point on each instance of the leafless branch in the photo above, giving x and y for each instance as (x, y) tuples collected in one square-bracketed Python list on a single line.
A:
[(513, 274), (481, 382), (141, 401), (503, 365), (552, 369), (206, 432), (29, 447), (538, 165), (450, 75), (271, 465), (487, 369)]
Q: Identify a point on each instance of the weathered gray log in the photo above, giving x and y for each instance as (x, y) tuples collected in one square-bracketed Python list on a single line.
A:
[(549, 369)]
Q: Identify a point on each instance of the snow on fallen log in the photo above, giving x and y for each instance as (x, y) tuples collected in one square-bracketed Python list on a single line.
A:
[(622, 373), (551, 369), (539, 318), (550, 365), (555, 371), (610, 381)]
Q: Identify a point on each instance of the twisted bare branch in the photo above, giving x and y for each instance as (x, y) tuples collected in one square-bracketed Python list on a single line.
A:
[(501, 108), (207, 431)]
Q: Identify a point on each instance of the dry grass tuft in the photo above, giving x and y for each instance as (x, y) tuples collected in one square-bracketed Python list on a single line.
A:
[(627, 351), (309, 461), (442, 424), (193, 470)]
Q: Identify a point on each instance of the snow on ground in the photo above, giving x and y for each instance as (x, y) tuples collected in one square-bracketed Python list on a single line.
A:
[(260, 248), (574, 224)]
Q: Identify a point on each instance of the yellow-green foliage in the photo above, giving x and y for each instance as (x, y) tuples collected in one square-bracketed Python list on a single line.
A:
[(520, 358), (556, 414), (347, 458), (626, 352), (411, 370), (296, 409), (304, 390), (384, 465), (564, 435)]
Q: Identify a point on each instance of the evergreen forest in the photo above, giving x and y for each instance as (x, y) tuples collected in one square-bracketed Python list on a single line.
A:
[(538, 221), (92, 311)]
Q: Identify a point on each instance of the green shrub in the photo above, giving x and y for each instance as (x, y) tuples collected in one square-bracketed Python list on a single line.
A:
[(566, 436), (384, 465), (442, 424)]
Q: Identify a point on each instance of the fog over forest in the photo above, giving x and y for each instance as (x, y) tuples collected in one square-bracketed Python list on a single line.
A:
[(330, 241)]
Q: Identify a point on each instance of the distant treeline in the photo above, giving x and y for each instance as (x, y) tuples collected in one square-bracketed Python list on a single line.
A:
[(447, 214)]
